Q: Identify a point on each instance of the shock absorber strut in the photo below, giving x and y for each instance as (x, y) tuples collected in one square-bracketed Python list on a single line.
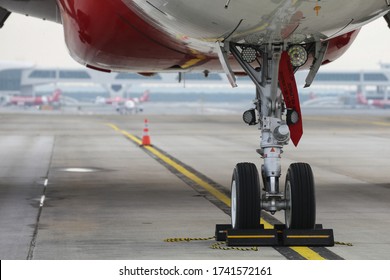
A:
[(274, 130)]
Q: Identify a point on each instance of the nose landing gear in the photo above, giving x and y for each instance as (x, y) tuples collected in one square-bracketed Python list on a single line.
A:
[(275, 90)]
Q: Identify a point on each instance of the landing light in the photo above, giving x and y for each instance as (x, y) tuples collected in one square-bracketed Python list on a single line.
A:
[(249, 117), (292, 116), (298, 55), (249, 54)]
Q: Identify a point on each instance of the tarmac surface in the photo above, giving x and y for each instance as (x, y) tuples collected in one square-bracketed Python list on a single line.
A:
[(77, 187)]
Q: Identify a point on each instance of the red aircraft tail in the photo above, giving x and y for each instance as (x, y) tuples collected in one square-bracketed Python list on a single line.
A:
[(56, 96), (361, 99), (145, 96)]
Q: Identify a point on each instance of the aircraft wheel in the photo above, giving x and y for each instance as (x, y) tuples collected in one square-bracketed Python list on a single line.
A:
[(300, 212), (245, 197)]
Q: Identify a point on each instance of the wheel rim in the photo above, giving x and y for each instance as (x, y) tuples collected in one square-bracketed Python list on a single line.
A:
[(287, 212), (234, 203)]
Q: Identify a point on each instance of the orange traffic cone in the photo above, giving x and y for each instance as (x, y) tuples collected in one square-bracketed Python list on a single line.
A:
[(145, 136)]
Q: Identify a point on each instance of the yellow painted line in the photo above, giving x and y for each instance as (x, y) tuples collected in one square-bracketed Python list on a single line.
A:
[(219, 195), (113, 126), (132, 137), (307, 253), (381, 123), (307, 236), (250, 236), (303, 251)]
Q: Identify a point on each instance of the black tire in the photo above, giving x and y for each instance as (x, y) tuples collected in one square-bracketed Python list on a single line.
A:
[(245, 197), (300, 197)]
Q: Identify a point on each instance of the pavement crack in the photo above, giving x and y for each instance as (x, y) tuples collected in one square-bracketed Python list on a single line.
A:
[(33, 242)]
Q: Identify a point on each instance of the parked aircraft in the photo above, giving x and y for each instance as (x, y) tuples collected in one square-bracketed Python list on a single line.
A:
[(380, 103), (20, 100), (125, 105), (121, 100)]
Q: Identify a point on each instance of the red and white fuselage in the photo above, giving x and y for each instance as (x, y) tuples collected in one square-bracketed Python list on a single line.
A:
[(118, 100), (34, 100), (176, 35), (180, 35), (380, 103)]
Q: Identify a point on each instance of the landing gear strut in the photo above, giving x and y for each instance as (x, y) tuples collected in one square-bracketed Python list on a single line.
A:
[(273, 119), (278, 114)]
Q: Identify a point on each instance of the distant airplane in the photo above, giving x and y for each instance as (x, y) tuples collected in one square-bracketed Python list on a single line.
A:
[(380, 103), (125, 105), (120, 100), (33, 100), (109, 101)]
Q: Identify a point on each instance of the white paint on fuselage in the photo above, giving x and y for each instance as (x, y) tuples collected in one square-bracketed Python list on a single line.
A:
[(44, 9), (202, 22)]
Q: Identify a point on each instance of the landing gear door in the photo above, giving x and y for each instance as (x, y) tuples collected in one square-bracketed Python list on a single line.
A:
[(4, 14)]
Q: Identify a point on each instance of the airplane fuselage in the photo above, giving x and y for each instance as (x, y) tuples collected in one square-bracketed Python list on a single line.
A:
[(34, 100), (179, 35), (172, 35)]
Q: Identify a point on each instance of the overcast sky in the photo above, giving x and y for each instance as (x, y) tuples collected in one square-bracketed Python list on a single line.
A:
[(41, 42)]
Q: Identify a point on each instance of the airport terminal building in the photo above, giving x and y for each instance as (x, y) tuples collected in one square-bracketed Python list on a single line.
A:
[(86, 84)]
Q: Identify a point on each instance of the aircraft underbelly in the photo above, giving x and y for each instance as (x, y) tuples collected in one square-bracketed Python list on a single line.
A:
[(258, 21), (171, 35)]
